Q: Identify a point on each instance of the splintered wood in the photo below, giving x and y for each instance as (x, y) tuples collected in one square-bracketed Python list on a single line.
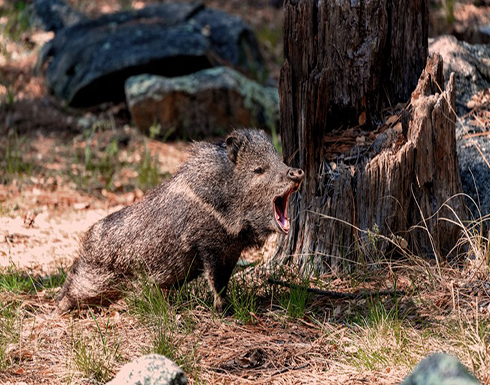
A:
[(396, 188)]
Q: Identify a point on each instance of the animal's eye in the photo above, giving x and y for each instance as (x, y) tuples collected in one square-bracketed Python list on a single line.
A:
[(259, 170)]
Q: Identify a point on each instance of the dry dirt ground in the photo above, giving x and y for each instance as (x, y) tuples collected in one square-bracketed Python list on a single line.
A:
[(63, 169)]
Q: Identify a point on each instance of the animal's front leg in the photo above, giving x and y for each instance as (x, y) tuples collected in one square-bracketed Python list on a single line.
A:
[(218, 276)]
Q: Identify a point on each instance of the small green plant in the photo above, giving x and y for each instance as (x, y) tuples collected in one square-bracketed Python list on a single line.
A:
[(109, 163), (382, 329), (168, 341), (12, 161), (242, 299), (14, 281), (155, 131), (270, 36), (374, 239), (96, 353), (126, 5), (295, 299), (53, 281), (449, 9), (96, 165), (379, 316), (9, 99), (275, 140), (474, 336), (148, 174), (147, 301), (17, 19), (9, 331), (102, 166), (367, 252), (167, 317)]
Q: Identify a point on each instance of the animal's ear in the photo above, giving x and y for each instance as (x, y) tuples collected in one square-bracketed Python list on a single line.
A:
[(234, 142)]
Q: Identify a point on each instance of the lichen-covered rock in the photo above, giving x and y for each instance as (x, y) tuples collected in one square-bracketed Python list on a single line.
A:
[(153, 369), (440, 369), (471, 66), (204, 103), (473, 146), (470, 63), (88, 63)]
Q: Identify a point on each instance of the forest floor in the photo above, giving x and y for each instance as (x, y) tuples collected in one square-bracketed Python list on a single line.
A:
[(61, 170)]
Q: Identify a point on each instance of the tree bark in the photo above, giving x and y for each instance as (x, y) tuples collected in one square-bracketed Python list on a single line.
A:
[(348, 64)]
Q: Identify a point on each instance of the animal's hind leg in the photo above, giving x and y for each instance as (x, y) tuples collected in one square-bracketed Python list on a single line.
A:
[(85, 285)]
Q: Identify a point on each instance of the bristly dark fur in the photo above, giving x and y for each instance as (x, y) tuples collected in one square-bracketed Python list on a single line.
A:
[(218, 204)]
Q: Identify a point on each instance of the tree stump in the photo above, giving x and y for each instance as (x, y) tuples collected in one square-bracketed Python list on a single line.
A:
[(393, 170)]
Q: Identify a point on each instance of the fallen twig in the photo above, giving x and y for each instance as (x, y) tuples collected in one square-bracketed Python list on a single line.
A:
[(339, 294)]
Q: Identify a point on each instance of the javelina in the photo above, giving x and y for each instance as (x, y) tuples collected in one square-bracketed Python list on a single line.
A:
[(224, 199)]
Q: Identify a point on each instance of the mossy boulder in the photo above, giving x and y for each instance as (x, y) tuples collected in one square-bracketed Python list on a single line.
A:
[(205, 103)]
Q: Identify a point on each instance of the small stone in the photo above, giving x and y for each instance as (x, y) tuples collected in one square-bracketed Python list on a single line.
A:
[(440, 369), (152, 369)]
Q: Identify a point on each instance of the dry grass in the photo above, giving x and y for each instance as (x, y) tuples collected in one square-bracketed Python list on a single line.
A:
[(375, 340), (277, 335)]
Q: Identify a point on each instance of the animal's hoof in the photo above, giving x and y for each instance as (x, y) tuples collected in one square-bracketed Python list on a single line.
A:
[(64, 305)]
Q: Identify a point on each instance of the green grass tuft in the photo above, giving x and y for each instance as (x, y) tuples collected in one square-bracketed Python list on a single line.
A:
[(96, 352), (16, 281), (242, 297), (94, 166), (294, 299), (10, 321), (166, 316), (148, 173), (17, 19), (12, 159), (449, 9)]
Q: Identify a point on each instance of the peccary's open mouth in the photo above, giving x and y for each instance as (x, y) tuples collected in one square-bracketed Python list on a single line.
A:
[(281, 209)]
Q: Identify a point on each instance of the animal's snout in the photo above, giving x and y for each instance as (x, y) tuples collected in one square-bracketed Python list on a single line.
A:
[(296, 174)]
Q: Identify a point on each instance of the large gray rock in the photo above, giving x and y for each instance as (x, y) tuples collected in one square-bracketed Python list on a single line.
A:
[(440, 369), (473, 146), (88, 63), (153, 369), (471, 65), (207, 102)]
